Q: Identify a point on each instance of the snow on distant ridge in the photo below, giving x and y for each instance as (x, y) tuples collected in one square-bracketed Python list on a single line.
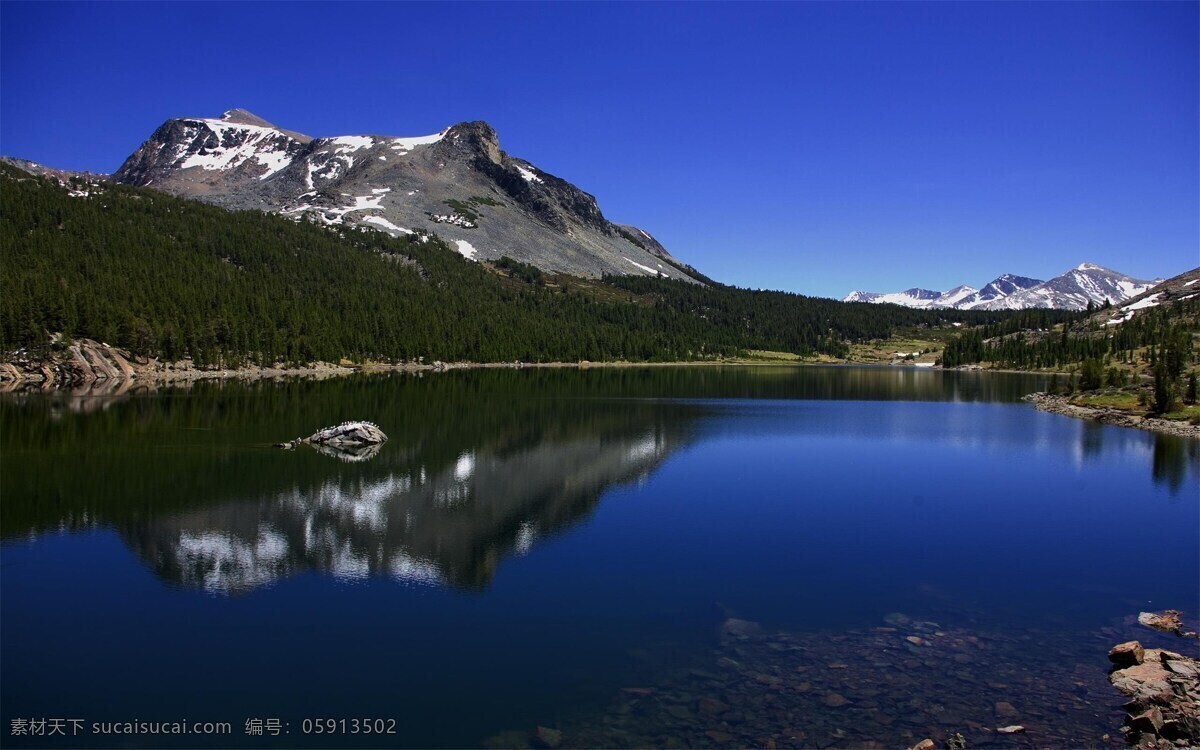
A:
[(1072, 290)]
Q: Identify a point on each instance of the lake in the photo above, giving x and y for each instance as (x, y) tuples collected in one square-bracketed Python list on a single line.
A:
[(685, 556)]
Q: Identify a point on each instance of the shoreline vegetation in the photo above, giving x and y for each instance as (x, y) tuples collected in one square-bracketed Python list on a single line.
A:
[(87, 362), (103, 369)]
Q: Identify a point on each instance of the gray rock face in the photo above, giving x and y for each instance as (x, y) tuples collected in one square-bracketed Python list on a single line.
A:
[(457, 183)]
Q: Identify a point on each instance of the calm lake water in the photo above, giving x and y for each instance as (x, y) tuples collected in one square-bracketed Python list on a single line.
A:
[(633, 557)]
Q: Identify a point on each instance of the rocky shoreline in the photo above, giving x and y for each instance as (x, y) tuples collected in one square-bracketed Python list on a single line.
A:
[(1163, 688), (1057, 404)]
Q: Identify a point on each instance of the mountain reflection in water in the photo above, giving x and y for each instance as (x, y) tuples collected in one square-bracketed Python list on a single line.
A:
[(450, 525), (479, 466)]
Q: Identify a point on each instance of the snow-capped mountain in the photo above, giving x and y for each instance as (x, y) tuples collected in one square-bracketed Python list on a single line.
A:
[(457, 183), (1074, 289), (1070, 291), (914, 297), (996, 289)]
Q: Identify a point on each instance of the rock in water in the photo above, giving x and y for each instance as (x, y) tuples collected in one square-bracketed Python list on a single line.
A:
[(1164, 705), (348, 433), (1168, 621)]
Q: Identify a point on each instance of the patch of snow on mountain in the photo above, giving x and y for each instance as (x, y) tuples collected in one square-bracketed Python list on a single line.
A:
[(345, 144), (363, 202), (1127, 312), (1132, 289), (383, 223), (528, 175), (1142, 304), (253, 143), (273, 161), (336, 215), (219, 126), (647, 269), (465, 249), (404, 145)]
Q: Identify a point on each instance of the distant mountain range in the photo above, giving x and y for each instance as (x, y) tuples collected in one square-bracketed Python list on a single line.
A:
[(1073, 290), (457, 183)]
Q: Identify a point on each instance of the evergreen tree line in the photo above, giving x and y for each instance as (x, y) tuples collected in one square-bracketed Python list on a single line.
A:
[(167, 277), (781, 321), (1024, 342)]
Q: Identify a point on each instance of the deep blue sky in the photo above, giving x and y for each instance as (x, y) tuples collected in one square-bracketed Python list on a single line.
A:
[(809, 147)]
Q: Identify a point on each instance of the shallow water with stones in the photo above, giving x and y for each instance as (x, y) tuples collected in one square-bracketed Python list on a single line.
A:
[(788, 557)]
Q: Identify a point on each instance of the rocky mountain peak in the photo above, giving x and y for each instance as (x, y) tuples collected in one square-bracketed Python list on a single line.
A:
[(475, 137), (457, 183), (243, 117)]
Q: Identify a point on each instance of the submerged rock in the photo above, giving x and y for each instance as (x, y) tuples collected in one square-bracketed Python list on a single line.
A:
[(734, 626), (548, 737), (1167, 621)]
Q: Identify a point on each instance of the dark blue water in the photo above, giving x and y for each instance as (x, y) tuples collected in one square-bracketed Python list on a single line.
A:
[(527, 544)]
